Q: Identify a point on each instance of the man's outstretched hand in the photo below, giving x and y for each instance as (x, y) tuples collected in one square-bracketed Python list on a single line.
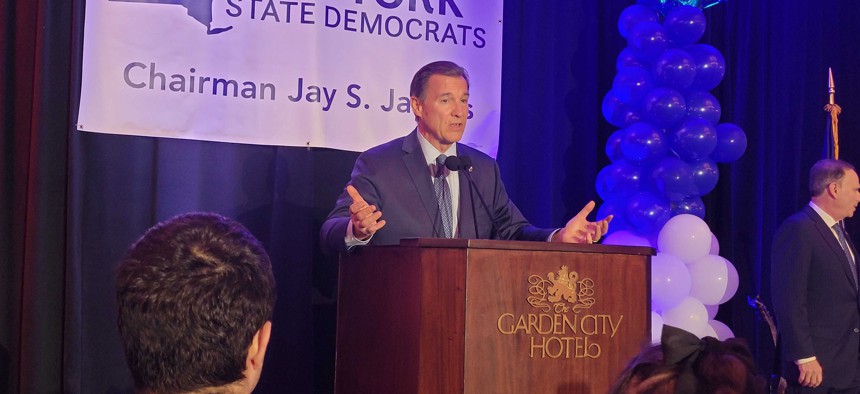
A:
[(580, 231), (364, 217)]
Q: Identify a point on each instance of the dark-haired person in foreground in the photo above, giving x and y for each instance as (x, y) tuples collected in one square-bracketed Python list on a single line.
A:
[(814, 286), (398, 188), (684, 364), (195, 297)]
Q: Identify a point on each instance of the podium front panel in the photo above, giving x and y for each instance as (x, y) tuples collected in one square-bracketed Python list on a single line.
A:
[(478, 316), (553, 322)]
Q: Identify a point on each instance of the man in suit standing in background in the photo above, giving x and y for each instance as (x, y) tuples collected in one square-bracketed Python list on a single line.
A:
[(402, 189), (814, 286)]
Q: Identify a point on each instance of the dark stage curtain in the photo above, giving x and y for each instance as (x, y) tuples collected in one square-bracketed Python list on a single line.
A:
[(36, 39), (71, 202)]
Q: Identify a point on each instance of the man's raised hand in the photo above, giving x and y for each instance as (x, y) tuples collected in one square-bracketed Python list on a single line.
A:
[(364, 217), (579, 230)]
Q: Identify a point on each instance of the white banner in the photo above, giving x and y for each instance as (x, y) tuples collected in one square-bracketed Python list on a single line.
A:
[(327, 73)]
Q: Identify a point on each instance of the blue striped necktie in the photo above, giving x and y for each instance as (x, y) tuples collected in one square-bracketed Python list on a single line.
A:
[(443, 196)]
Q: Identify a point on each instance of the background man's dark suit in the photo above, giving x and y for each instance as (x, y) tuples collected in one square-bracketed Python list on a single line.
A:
[(395, 178), (815, 299)]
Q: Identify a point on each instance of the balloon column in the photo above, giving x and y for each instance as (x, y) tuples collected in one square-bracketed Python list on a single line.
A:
[(664, 159)]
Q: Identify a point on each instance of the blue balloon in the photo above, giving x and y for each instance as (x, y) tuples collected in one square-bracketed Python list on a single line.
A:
[(631, 84), (710, 66), (618, 180), (630, 57), (617, 112), (705, 176), (617, 207), (692, 206), (664, 106), (649, 38), (694, 140), (613, 146), (647, 213), (633, 15), (675, 69), (731, 143), (701, 104), (674, 178), (602, 184), (643, 142), (685, 24)]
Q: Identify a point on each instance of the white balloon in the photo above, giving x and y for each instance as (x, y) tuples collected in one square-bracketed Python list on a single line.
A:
[(685, 236), (670, 281), (723, 331), (715, 245), (709, 278), (690, 315), (709, 332), (732, 286), (656, 327), (624, 237)]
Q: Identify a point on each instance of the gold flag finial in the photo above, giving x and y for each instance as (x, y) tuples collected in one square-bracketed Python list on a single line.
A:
[(834, 111)]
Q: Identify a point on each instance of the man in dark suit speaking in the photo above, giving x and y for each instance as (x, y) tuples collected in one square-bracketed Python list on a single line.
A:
[(814, 286), (412, 187)]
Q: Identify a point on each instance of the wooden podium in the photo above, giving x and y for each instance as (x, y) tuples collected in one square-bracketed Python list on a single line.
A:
[(485, 316)]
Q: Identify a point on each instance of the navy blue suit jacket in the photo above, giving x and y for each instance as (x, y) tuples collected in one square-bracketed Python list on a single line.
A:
[(815, 299), (394, 177)]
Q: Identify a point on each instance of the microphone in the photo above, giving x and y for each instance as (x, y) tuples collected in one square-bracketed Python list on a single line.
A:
[(454, 163)]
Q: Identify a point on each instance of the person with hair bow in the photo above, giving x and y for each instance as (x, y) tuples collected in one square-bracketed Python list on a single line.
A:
[(683, 363)]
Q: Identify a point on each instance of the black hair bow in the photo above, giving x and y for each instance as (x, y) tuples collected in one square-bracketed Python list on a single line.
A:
[(682, 348)]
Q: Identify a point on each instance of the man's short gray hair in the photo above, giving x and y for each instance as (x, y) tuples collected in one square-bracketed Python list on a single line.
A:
[(825, 172)]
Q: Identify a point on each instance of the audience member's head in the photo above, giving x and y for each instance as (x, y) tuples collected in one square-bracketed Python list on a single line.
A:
[(195, 296), (683, 363)]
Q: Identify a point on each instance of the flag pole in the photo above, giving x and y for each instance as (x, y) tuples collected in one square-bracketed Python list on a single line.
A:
[(834, 111)]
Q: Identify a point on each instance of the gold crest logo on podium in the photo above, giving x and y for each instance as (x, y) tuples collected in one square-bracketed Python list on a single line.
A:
[(561, 292)]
